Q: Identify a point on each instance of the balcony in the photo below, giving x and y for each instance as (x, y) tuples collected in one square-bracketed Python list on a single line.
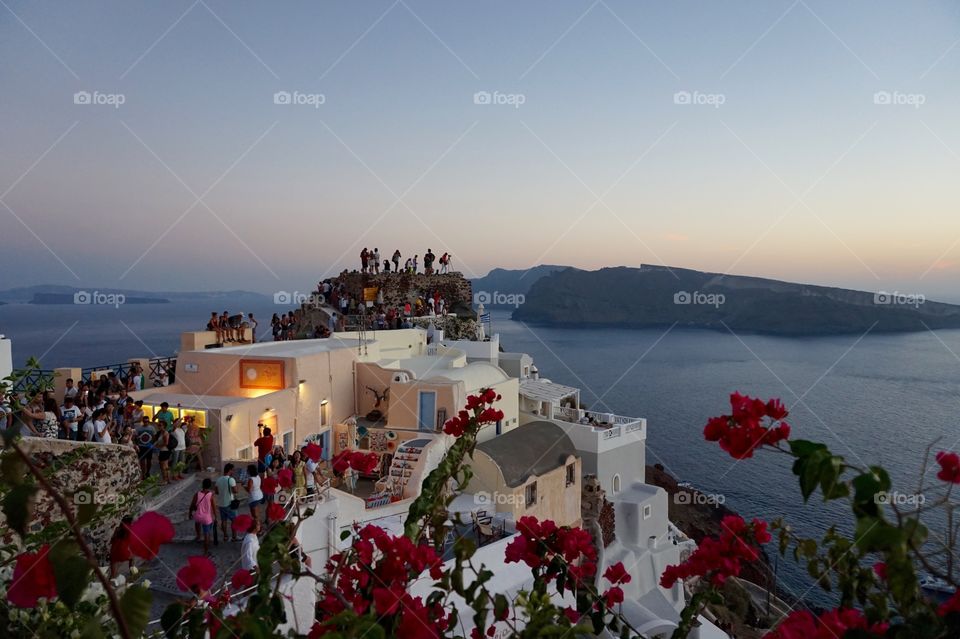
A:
[(606, 425)]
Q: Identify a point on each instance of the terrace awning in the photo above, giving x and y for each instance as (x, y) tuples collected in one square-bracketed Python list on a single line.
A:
[(542, 390)]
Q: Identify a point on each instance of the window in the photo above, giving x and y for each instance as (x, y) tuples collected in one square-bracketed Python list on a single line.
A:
[(245, 453), (530, 495), (324, 413), (288, 441), (647, 511), (441, 417), (616, 484), (571, 474)]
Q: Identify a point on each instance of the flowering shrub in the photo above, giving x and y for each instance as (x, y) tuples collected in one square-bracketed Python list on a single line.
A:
[(874, 574), (388, 585)]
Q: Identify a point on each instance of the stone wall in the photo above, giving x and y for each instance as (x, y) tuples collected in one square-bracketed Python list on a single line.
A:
[(399, 288), (110, 471)]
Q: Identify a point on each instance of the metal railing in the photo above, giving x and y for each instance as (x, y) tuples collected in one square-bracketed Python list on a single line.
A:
[(160, 369)]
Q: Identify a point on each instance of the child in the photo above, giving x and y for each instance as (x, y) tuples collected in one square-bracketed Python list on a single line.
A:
[(120, 547), (201, 511)]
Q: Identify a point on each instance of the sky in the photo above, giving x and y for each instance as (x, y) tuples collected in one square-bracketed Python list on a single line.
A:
[(211, 145)]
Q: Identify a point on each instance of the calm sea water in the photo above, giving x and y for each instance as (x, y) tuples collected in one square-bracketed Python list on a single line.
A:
[(876, 399)]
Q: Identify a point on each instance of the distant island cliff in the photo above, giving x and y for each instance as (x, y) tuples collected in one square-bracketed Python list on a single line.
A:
[(659, 296)]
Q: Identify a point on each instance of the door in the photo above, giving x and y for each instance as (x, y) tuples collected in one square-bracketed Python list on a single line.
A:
[(427, 418)]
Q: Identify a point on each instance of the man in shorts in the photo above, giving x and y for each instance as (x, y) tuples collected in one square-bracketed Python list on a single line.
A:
[(145, 434), (226, 490)]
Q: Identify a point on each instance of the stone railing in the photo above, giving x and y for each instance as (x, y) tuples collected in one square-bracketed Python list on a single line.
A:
[(608, 425)]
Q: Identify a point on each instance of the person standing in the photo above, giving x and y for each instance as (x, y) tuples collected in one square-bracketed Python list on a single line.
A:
[(364, 258), (396, 261), (165, 416), (375, 256), (264, 445), (201, 511), (250, 547), (253, 489), (180, 437), (428, 258), (165, 446), (226, 491), (70, 415), (416, 259), (145, 436), (253, 328)]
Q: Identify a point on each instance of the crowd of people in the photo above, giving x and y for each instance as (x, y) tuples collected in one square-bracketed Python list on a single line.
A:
[(378, 314), (231, 328), (370, 262)]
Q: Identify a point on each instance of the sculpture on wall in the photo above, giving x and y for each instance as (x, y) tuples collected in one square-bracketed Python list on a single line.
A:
[(381, 396)]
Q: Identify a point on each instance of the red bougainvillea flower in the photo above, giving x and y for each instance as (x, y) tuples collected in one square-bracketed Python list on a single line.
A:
[(716, 559), (541, 544), (312, 451), (830, 625), (242, 523), (197, 576), (617, 574), (949, 467), (285, 477), (483, 411), (148, 532), (242, 579), (613, 596), (950, 605), (269, 485), (741, 432), (32, 579), (364, 463), (880, 569), (275, 512)]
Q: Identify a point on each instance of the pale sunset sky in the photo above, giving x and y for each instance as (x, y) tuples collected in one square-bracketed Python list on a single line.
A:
[(812, 141)]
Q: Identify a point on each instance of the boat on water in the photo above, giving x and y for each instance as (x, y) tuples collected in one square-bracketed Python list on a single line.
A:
[(936, 585)]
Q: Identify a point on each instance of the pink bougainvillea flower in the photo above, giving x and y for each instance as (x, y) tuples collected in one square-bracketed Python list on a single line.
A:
[(197, 576), (32, 579), (148, 532)]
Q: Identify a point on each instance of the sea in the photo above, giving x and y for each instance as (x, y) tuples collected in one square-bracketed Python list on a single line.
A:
[(873, 398)]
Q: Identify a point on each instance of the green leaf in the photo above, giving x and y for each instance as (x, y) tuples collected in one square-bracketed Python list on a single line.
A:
[(171, 618), (17, 507), (135, 607), (85, 504), (875, 534), (71, 571), (804, 448)]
